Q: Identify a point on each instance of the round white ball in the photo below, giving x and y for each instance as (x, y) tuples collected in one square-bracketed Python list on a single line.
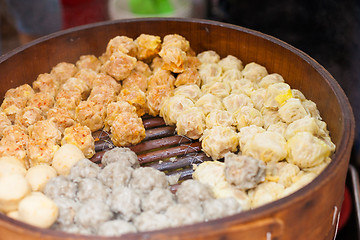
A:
[(38, 210), (39, 175), (65, 158), (11, 165), (13, 188), (13, 214)]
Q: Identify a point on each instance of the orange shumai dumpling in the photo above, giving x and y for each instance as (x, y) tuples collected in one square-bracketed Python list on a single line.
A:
[(127, 129)]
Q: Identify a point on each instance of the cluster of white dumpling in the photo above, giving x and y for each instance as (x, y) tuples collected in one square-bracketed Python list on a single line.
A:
[(247, 109)]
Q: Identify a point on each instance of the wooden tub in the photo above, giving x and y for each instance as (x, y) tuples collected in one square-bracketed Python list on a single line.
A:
[(310, 213)]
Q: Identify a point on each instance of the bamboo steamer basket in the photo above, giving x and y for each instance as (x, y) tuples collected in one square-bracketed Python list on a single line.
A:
[(310, 213)]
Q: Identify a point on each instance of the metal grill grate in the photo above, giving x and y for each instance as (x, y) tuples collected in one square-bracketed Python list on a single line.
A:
[(161, 149)]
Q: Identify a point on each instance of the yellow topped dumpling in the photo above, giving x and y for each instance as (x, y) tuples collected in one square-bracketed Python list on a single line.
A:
[(276, 95)]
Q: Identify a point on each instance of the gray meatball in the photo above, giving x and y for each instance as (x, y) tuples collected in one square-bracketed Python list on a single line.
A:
[(193, 192), (67, 211), (158, 200), (149, 221), (145, 179), (92, 213), (125, 202), (75, 229), (184, 214), (60, 187), (122, 155), (221, 207), (92, 188), (84, 169), (116, 228), (244, 172), (115, 174)]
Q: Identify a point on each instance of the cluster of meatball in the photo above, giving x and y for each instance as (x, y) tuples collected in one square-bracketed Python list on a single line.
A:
[(122, 197)]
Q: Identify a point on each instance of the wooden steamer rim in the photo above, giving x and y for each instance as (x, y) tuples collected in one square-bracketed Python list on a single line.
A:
[(270, 218)]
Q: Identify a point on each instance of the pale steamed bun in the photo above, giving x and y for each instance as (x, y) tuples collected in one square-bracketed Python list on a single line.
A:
[(11, 165), (38, 210), (13, 188), (65, 158), (38, 176)]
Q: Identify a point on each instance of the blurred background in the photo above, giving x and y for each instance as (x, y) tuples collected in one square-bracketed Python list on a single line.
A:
[(327, 30)]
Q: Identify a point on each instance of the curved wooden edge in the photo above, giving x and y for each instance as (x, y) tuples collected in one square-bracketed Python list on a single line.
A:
[(343, 151)]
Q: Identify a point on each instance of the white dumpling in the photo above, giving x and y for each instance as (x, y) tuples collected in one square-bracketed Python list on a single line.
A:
[(209, 102), (231, 62), (298, 94), (319, 168), (210, 173), (219, 118), (258, 98), (218, 141), (191, 123), (254, 72), (281, 172), (311, 109), (231, 75), (191, 91), (292, 110), (240, 195), (208, 56), (323, 128), (241, 86), (210, 72), (247, 116), (270, 79), (277, 94), (305, 124), (247, 133), (279, 127), (266, 146), (327, 140), (173, 107), (266, 192), (219, 89), (234, 102), (306, 150), (300, 181), (270, 116)]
